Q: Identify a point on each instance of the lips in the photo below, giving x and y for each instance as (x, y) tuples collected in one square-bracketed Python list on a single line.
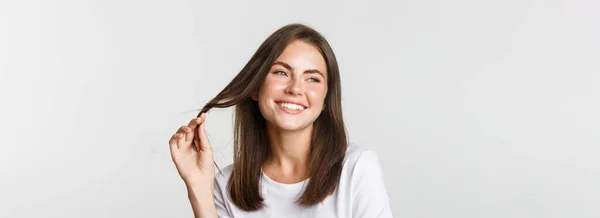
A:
[(289, 111), (292, 102)]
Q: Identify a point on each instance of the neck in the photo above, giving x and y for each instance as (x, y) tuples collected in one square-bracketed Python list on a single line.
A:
[(290, 150)]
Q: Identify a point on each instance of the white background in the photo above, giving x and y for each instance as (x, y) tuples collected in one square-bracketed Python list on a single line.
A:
[(475, 108)]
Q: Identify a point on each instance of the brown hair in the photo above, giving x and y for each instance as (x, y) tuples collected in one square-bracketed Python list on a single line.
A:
[(251, 144)]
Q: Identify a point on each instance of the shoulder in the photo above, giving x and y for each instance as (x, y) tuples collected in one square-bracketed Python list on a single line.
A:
[(222, 201), (220, 185), (361, 168), (361, 156), (222, 179), (363, 181), (223, 176)]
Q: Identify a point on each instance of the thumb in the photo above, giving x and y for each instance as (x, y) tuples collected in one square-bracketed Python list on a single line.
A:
[(204, 143)]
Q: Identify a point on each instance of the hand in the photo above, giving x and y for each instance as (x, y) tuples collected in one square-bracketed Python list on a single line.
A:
[(192, 153)]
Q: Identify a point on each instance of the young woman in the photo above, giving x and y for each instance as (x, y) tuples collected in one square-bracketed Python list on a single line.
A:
[(291, 155)]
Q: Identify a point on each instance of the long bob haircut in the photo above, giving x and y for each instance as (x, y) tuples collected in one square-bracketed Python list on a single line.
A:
[(251, 145)]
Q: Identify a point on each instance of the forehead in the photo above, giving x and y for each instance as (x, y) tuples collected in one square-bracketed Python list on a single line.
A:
[(301, 56)]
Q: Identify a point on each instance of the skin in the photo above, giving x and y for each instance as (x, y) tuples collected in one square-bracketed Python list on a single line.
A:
[(290, 135), (293, 77), (195, 166)]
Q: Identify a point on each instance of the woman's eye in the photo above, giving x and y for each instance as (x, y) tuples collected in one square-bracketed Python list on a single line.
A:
[(280, 73), (312, 79)]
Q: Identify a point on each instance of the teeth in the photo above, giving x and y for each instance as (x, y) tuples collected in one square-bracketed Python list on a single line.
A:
[(291, 106)]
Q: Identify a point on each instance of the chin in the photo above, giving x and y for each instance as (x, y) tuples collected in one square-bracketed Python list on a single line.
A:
[(291, 126)]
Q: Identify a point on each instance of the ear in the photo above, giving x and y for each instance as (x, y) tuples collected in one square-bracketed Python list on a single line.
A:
[(254, 96)]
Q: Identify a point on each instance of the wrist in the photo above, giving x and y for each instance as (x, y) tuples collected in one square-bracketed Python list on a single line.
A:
[(202, 199), (200, 184), (200, 188)]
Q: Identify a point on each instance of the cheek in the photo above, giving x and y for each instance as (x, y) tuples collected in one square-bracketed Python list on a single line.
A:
[(317, 95), (269, 88)]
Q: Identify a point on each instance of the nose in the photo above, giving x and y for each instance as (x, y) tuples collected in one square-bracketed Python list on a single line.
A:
[(294, 87)]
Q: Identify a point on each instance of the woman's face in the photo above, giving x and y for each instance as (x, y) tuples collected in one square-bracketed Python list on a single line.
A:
[(293, 93)]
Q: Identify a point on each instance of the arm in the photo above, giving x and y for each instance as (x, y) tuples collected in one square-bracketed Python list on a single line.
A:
[(369, 195), (202, 201), (193, 158)]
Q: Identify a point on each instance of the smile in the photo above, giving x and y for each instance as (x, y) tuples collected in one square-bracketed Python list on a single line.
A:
[(290, 108)]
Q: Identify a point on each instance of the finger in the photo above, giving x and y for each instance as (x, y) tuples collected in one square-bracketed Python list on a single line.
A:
[(189, 134), (181, 130), (196, 121), (173, 142), (204, 143), (197, 141), (173, 139), (181, 143), (191, 127)]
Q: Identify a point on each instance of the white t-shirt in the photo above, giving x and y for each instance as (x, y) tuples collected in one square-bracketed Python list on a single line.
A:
[(360, 193)]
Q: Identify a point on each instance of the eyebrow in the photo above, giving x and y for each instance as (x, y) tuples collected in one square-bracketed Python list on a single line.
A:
[(288, 67)]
